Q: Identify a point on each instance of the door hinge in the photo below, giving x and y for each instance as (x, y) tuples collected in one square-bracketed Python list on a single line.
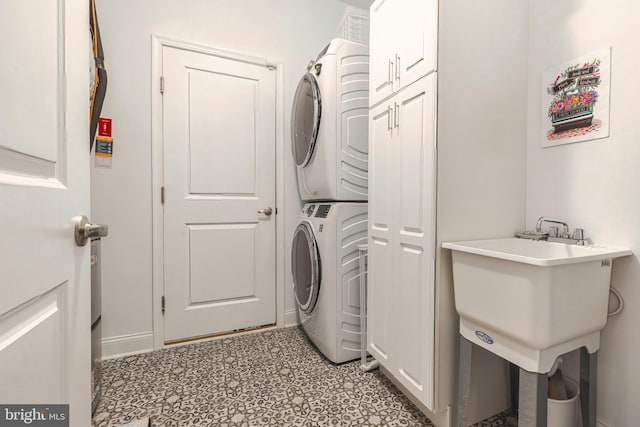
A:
[(162, 195), (162, 304), (161, 84)]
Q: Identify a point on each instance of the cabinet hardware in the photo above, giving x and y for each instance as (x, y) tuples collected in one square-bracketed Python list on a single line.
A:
[(389, 118), (397, 67), (396, 115), (390, 79)]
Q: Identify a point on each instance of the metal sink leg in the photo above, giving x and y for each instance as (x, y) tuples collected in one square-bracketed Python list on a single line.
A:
[(464, 382), (588, 386), (532, 405)]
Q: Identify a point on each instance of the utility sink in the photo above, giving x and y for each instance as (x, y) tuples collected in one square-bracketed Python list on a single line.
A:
[(531, 301)]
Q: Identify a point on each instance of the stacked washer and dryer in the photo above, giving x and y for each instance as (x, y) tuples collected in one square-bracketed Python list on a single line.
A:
[(329, 128)]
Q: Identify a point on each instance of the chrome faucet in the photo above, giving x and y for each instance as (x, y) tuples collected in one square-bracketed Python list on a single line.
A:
[(576, 238), (542, 219)]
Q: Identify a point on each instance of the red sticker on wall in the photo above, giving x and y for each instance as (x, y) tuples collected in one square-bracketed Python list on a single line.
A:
[(104, 127)]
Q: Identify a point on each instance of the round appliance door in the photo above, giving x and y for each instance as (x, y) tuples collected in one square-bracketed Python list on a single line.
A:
[(305, 267), (305, 119)]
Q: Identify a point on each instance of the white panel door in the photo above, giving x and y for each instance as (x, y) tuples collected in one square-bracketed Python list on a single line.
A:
[(219, 174), (381, 219), (416, 43), (414, 238), (44, 183), (382, 51)]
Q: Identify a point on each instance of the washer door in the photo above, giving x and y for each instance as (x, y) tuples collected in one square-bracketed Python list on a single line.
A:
[(305, 119), (305, 267)]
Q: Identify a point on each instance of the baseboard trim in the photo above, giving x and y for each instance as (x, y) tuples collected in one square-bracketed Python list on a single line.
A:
[(126, 345), (291, 318)]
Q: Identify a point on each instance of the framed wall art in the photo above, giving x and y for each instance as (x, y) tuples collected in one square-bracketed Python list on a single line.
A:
[(575, 100)]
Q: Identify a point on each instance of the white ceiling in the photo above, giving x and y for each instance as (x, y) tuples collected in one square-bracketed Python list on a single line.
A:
[(362, 4)]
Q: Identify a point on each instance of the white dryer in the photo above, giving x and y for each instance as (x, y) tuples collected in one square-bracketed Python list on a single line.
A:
[(326, 276), (329, 124)]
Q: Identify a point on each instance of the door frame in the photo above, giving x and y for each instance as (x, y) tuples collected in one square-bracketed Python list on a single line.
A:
[(157, 173)]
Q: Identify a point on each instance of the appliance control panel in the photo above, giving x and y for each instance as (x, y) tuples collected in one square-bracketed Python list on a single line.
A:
[(308, 211), (323, 211)]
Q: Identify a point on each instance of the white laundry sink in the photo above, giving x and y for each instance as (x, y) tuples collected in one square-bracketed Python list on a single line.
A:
[(531, 301)]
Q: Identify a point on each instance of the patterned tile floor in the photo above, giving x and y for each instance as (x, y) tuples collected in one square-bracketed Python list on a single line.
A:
[(271, 378)]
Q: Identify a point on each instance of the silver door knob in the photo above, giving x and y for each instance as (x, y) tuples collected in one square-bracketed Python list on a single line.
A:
[(267, 211), (85, 231)]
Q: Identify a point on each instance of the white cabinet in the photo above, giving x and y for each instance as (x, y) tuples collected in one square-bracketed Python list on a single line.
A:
[(402, 237), (403, 45), (412, 322), (402, 173)]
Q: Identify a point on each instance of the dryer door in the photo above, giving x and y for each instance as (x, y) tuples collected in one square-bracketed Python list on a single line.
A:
[(305, 267), (305, 119)]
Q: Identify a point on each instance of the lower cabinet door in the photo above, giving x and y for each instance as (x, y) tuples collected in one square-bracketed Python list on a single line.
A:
[(380, 277), (402, 237)]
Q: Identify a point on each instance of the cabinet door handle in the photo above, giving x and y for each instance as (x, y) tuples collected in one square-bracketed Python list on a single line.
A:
[(397, 67), (390, 80), (396, 115), (389, 118)]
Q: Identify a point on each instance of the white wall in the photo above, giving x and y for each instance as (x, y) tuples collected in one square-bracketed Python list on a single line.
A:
[(482, 70), (290, 32), (595, 185)]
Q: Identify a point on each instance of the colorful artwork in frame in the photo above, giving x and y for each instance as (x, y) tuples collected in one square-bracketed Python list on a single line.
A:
[(575, 100)]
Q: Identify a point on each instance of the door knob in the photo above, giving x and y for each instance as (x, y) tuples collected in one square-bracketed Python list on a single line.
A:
[(267, 211), (84, 230)]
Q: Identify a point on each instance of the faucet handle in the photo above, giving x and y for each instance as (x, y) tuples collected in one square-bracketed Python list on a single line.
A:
[(553, 231), (578, 234)]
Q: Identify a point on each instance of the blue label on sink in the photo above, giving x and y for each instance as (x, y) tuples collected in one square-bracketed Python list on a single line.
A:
[(484, 337)]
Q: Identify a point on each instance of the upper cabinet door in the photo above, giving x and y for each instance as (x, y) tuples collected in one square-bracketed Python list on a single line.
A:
[(382, 50), (403, 45), (417, 26)]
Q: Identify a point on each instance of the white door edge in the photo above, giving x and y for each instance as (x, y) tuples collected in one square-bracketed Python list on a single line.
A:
[(280, 192), (157, 44)]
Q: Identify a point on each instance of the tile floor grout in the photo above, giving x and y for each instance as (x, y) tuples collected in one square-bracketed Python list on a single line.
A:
[(273, 378)]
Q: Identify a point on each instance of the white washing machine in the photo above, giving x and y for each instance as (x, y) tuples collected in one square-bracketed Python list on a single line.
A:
[(326, 276), (329, 124)]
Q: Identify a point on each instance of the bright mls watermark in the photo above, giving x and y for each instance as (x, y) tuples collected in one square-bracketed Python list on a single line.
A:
[(34, 415)]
